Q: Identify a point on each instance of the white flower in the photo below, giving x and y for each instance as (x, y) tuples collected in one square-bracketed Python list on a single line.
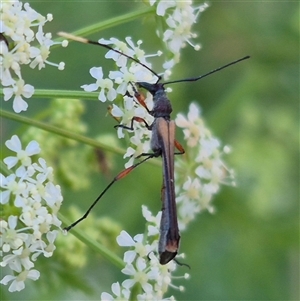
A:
[(129, 71), (121, 83), (19, 89), (178, 17), (192, 125), (19, 258), (162, 6), (104, 84), (12, 185), (10, 238), (139, 275), (120, 292), (130, 112), (199, 179), (140, 249), (18, 281), (14, 144), (17, 23), (142, 265), (153, 228), (30, 202)]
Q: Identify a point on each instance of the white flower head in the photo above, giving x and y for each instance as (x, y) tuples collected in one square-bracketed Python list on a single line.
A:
[(200, 177), (119, 291), (142, 266), (18, 24), (130, 71), (106, 85), (177, 17), (18, 282), (30, 201), (140, 249), (14, 144), (133, 110)]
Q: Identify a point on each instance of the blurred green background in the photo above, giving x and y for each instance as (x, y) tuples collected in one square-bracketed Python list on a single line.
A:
[(249, 249)]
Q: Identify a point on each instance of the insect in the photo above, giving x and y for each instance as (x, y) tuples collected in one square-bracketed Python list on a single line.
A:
[(163, 143)]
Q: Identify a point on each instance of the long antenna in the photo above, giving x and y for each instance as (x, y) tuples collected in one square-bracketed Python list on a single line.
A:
[(193, 79), (87, 41)]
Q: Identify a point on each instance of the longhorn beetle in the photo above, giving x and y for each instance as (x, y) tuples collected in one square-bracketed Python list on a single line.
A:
[(163, 143)]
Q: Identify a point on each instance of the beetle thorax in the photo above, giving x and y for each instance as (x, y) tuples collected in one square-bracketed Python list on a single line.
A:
[(162, 106)]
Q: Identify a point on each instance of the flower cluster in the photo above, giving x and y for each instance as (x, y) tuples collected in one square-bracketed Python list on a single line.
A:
[(16, 36), (142, 266), (129, 70), (200, 172), (177, 18), (30, 203), (121, 83)]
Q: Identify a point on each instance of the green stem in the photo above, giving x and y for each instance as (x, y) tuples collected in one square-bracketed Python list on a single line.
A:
[(60, 131), (111, 23), (47, 93), (4, 170), (105, 252), (66, 134), (135, 290), (114, 21)]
